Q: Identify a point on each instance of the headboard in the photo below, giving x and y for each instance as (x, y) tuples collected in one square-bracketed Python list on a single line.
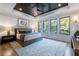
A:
[(23, 30)]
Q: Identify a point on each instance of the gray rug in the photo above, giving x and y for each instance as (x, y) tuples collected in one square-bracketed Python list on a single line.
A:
[(45, 47)]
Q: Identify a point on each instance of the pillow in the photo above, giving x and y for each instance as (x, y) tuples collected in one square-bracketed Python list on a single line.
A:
[(25, 31)]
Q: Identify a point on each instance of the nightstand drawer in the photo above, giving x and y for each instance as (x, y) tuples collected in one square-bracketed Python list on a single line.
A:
[(8, 38)]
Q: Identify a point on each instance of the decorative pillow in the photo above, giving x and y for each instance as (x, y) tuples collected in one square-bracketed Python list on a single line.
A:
[(25, 31)]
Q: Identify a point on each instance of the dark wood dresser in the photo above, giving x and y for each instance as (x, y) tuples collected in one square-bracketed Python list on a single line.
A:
[(8, 38)]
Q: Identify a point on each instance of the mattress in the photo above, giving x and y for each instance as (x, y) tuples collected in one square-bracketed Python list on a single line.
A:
[(29, 36), (46, 47), (32, 36)]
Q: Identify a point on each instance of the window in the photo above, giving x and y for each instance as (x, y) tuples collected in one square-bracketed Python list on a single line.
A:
[(35, 25), (46, 26), (53, 26), (65, 25), (39, 26)]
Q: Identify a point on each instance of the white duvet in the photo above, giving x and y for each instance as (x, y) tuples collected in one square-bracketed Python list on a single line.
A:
[(46, 47), (32, 36)]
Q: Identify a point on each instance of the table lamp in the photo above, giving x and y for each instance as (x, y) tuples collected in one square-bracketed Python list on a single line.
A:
[(8, 29)]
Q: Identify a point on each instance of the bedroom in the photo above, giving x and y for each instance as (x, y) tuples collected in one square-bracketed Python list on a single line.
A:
[(41, 29)]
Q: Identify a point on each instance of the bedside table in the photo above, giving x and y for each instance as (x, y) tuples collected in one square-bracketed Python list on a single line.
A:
[(7, 38)]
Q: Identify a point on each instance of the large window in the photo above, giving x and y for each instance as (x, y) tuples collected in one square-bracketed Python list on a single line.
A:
[(46, 26), (53, 26), (39, 26), (65, 25)]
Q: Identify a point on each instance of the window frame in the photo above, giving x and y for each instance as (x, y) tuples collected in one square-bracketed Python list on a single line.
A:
[(39, 26), (43, 26), (60, 25), (56, 27)]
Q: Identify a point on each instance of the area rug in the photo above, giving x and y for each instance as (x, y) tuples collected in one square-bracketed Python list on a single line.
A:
[(45, 47)]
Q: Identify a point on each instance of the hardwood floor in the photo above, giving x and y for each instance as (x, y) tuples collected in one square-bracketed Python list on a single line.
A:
[(7, 50)]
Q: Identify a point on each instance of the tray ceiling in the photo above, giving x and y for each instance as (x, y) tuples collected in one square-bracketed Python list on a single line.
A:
[(36, 9)]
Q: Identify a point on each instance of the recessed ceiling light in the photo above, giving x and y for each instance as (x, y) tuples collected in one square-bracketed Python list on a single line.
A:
[(20, 9), (59, 4)]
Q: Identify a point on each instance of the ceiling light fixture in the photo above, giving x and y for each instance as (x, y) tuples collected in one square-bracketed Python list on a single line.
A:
[(20, 9), (59, 4)]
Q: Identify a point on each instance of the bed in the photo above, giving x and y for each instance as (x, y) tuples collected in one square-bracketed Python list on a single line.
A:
[(25, 36), (46, 47)]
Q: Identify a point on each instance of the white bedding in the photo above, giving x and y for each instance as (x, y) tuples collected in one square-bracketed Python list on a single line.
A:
[(32, 36), (45, 47)]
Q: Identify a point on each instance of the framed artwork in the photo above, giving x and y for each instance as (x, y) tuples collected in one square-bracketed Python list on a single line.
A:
[(22, 23)]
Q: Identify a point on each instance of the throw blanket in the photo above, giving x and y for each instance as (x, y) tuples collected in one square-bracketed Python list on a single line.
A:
[(45, 47)]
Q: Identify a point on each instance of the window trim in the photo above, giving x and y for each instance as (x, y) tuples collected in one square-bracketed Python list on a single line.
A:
[(60, 25), (38, 26), (43, 25)]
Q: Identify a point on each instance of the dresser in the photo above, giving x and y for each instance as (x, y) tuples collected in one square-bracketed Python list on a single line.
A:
[(8, 38)]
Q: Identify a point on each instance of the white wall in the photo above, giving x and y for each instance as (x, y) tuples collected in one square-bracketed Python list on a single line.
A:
[(9, 16), (6, 20), (10, 21), (67, 11), (73, 27)]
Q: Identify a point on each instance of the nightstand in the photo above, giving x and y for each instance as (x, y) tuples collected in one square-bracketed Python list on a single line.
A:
[(7, 38)]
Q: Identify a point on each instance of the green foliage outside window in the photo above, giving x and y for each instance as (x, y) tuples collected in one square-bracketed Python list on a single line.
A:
[(39, 26), (65, 25), (53, 26), (46, 26)]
